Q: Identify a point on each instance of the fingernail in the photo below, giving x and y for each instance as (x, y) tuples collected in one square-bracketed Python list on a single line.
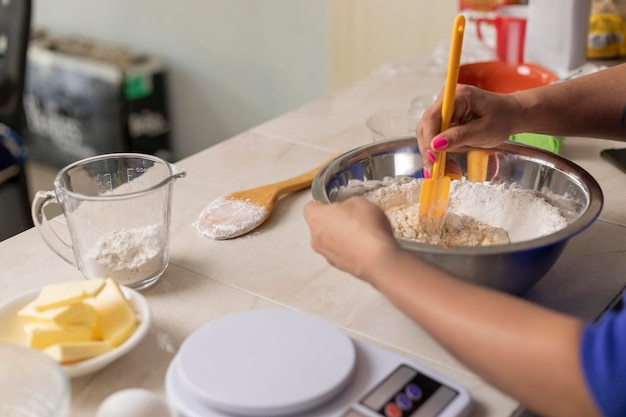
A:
[(426, 173), (440, 144), (430, 156)]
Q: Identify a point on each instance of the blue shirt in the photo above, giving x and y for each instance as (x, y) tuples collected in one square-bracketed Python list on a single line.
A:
[(603, 350)]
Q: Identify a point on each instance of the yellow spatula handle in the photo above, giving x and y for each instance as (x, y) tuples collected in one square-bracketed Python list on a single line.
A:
[(449, 92), (477, 164)]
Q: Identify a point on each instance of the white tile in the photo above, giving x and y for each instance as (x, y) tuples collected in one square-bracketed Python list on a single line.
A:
[(586, 153), (589, 273)]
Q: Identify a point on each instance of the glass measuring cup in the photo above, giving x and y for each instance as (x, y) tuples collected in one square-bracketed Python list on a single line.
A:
[(117, 208)]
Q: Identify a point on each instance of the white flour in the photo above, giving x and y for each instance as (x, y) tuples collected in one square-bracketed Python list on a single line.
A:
[(226, 218), (521, 212), (128, 255), (472, 207)]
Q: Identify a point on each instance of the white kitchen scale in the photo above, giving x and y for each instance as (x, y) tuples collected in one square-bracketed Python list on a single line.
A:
[(274, 363)]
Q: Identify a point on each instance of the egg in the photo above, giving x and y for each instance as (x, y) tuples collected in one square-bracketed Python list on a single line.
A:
[(134, 402)]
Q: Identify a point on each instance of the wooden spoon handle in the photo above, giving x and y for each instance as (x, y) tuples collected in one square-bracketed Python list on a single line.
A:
[(299, 182)]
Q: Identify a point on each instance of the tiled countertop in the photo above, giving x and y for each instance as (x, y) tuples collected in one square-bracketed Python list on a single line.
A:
[(274, 266)]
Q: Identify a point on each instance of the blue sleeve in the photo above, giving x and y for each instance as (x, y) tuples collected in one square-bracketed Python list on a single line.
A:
[(603, 351)]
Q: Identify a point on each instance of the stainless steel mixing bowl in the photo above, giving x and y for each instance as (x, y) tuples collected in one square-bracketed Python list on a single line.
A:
[(514, 267)]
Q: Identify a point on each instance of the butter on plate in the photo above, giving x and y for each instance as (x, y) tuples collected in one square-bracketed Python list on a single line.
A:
[(78, 320)]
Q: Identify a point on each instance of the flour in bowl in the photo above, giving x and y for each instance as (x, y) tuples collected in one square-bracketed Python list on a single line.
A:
[(478, 214)]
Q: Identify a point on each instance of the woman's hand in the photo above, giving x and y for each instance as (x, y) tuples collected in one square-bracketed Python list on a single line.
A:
[(480, 119), (351, 235)]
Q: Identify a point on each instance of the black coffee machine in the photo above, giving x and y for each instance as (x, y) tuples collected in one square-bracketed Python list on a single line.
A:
[(15, 18)]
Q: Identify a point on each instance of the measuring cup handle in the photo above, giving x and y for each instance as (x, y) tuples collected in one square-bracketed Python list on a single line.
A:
[(50, 237)]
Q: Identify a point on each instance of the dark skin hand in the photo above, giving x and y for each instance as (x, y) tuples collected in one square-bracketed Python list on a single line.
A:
[(526, 351), (593, 106)]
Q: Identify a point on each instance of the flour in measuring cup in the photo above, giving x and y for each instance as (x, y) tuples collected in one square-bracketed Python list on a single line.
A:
[(128, 255)]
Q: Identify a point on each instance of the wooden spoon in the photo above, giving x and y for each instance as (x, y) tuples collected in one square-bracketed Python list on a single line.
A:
[(240, 212)]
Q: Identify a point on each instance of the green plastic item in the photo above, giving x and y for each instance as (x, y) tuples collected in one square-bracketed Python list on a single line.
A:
[(549, 143)]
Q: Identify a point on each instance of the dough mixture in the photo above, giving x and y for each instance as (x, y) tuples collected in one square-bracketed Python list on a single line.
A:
[(457, 230), (478, 214)]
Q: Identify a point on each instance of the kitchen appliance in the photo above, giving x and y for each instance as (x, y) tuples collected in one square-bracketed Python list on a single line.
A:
[(273, 362), (15, 24), (556, 34)]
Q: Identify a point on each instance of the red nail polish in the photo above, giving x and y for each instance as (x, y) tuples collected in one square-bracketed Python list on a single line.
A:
[(440, 144), (430, 156), (426, 173)]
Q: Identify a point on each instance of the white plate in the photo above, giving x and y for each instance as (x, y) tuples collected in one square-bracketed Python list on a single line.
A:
[(13, 330)]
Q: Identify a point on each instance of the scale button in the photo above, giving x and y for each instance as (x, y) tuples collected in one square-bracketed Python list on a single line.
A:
[(403, 401), (413, 392), (392, 410)]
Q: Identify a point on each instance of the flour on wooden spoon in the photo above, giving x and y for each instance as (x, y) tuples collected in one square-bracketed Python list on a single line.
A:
[(226, 218), (240, 212)]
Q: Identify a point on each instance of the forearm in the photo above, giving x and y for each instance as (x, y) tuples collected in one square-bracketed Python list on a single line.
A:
[(590, 106), (524, 350)]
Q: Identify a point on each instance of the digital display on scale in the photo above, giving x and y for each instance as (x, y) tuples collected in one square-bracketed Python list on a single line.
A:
[(408, 393)]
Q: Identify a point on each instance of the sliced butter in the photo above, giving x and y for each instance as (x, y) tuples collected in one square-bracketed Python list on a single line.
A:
[(40, 337), (76, 314), (66, 352), (78, 320), (59, 295), (116, 319)]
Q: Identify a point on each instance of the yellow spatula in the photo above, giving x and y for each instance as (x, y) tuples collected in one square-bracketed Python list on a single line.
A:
[(435, 190), (477, 162)]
